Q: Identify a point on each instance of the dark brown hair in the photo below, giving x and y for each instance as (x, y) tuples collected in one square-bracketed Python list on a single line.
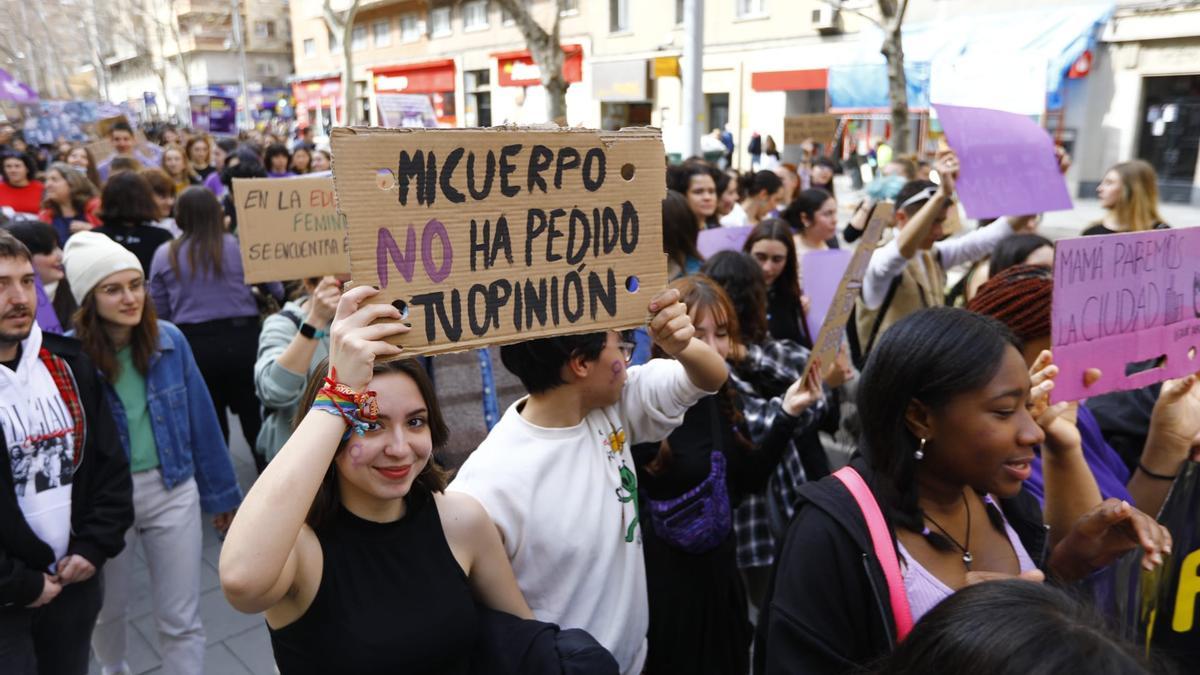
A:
[(127, 201), (89, 328), (11, 247), (432, 478), (702, 294), (82, 190), (775, 229), (202, 221)]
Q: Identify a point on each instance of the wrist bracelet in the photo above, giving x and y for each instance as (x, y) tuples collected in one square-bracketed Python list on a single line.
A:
[(1150, 474), (360, 411)]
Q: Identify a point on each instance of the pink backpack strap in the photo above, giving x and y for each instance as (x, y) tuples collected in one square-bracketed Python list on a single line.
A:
[(885, 550)]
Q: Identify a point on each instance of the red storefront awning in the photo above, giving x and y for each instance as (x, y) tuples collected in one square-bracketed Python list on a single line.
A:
[(789, 80), (517, 69), (415, 78)]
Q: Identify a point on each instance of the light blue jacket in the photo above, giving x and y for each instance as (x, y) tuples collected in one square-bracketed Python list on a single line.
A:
[(185, 424)]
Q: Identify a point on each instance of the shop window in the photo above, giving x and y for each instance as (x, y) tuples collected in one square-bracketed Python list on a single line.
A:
[(264, 29), (310, 47), (410, 27), (477, 79), (381, 32), (747, 9), (475, 15), (618, 16), (439, 21), (358, 38)]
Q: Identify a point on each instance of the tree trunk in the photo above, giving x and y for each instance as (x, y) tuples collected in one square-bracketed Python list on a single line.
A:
[(344, 26), (547, 53), (893, 51)]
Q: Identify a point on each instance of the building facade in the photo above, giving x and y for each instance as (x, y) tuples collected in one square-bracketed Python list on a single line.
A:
[(170, 49)]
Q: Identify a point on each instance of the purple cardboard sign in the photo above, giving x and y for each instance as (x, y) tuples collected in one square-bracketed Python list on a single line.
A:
[(722, 239), (1007, 165), (1128, 304), (820, 273)]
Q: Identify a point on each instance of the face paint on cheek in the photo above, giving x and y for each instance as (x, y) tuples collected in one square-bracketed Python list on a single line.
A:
[(356, 455), (618, 367)]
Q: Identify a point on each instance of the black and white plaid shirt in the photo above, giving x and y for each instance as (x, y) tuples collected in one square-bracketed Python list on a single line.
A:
[(768, 370)]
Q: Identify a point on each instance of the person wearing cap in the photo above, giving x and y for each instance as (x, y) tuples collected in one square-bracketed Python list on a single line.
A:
[(909, 272), (65, 491), (168, 428)]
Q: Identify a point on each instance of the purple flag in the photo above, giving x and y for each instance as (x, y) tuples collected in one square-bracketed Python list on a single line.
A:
[(12, 89), (1007, 163)]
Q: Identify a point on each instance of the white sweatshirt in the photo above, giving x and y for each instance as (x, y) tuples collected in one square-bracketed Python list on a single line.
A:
[(564, 501), (39, 431)]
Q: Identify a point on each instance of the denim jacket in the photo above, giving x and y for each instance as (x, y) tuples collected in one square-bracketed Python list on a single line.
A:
[(185, 424)]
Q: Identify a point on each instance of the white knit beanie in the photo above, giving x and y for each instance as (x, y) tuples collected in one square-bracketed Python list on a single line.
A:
[(90, 257)]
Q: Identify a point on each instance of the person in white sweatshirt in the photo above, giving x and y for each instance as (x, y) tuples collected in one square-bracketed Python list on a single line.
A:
[(556, 476)]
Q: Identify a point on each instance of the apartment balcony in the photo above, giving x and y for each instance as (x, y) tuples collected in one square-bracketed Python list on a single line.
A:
[(185, 8)]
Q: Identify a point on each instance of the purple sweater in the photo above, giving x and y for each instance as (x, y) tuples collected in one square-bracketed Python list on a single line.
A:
[(203, 298), (1106, 465)]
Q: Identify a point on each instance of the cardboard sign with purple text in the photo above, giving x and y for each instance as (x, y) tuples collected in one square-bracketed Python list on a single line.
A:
[(1007, 165), (493, 236), (717, 239), (1129, 305)]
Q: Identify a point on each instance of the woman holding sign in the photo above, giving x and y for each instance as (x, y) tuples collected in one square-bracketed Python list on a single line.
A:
[(348, 542), (197, 282), (950, 418)]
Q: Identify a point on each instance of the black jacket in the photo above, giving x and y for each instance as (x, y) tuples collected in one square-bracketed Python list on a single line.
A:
[(101, 492), (829, 610), (509, 645)]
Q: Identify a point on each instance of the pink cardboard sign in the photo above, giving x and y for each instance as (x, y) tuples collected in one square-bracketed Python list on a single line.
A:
[(1007, 165), (1129, 305), (719, 239)]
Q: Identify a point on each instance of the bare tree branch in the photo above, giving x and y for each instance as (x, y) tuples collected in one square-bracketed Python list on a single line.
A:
[(837, 4), (547, 53)]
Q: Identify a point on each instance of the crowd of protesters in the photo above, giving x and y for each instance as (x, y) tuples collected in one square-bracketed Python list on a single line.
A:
[(671, 510)]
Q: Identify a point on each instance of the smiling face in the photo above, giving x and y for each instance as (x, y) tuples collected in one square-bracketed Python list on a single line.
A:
[(120, 298), (702, 196), (78, 157), (771, 256), (49, 266), (320, 162), (382, 464), (15, 172), (985, 438), (18, 298), (122, 142), (1110, 190)]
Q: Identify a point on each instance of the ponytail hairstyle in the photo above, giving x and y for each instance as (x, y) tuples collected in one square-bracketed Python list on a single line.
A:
[(755, 182), (931, 356), (804, 206), (702, 294)]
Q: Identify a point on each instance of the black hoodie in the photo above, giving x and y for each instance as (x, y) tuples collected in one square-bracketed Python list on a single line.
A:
[(829, 610)]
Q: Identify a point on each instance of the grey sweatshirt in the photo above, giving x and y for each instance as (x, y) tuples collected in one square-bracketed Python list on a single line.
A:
[(278, 388)]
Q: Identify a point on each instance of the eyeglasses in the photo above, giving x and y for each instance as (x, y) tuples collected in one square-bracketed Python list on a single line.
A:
[(627, 350)]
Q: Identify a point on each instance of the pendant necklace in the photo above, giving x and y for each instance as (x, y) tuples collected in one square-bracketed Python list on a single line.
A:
[(967, 558)]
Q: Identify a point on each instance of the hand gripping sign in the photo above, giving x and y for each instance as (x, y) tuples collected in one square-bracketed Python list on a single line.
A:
[(491, 236), (1128, 304)]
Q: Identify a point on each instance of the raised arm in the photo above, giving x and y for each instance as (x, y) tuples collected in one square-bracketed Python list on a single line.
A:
[(261, 560), (1173, 429), (671, 328)]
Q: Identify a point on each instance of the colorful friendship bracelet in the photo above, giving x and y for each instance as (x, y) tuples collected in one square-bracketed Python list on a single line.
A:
[(360, 411)]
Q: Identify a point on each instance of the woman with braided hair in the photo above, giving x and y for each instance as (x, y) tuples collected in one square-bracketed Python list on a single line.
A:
[(698, 615), (1020, 298), (950, 419)]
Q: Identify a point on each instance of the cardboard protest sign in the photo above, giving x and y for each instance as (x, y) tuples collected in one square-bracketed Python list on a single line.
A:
[(1007, 165), (1127, 304), (490, 236), (289, 228), (716, 239), (820, 274), (820, 128), (829, 339)]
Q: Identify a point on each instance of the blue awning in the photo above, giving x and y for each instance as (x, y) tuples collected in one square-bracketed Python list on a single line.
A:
[(1059, 34)]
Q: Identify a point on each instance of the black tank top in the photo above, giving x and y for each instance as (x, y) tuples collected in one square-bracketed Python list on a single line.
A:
[(392, 599)]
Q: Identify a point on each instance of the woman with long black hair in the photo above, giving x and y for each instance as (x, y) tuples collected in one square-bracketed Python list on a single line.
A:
[(197, 282), (950, 419)]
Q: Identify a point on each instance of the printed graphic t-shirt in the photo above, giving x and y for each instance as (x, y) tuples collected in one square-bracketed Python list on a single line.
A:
[(565, 502), (39, 432)]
